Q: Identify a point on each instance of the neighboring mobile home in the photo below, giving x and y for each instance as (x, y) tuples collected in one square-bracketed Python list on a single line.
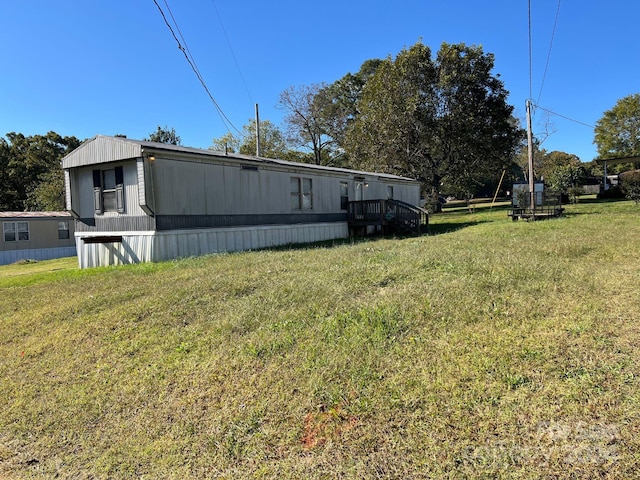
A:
[(36, 236), (139, 201)]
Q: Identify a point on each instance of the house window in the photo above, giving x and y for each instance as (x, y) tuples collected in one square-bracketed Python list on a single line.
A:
[(9, 229), (344, 195), (108, 190), (16, 231), (63, 230), (389, 192), (301, 193)]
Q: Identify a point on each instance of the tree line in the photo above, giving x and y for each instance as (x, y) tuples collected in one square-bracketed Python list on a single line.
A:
[(443, 119)]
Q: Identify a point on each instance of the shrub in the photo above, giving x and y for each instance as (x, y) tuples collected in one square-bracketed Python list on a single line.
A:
[(613, 192), (630, 185)]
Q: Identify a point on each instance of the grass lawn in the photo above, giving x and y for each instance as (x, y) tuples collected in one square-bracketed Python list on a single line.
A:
[(487, 349)]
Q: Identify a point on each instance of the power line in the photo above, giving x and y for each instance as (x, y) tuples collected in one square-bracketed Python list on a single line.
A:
[(184, 42), (191, 62), (530, 56), (563, 116), (555, 24), (233, 54)]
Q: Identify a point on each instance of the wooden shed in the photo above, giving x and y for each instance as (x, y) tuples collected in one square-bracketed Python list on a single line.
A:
[(36, 236), (139, 201)]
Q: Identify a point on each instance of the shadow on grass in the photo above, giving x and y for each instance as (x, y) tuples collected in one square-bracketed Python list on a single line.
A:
[(448, 227), (601, 200)]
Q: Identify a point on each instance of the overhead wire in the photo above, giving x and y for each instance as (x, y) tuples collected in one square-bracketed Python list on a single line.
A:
[(183, 49), (233, 54), (546, 67), (535, 105), (564, 116), (184, 42), (530, 56)]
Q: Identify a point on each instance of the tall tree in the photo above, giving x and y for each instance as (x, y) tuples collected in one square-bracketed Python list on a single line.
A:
[(31, 167), (567, 178), (272, 141), (164, 135), (395, 127), (338, 102), (617, 133), (306, 126), (552, 161), (475, 124), (444, 121)]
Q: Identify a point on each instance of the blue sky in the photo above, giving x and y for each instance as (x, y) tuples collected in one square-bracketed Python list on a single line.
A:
[(87, 67)]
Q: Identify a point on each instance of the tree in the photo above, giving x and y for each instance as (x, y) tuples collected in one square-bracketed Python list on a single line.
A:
[(475, 124), (551, 161), (307, 128), (7, 195), (630, 185), (48, 194), (617, 133), (272, 141), (164, 135), (393, 129), (567, 179), (31, 171), (227, 143), (338, 102), (445, 122)]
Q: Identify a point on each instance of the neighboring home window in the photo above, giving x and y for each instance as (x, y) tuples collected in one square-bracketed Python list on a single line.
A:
[(16, 231), (9, 229), (63, 230), (344, 195), (389, 192), (301, 193), (108, 190)]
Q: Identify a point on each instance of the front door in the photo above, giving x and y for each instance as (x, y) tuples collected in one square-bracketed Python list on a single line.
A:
[(359, 197), (359, 191)]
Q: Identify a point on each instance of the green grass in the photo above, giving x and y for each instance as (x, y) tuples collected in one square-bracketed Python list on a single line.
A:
[(488, 349)]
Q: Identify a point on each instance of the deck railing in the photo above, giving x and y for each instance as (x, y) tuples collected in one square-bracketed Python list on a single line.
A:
[(390, 215)]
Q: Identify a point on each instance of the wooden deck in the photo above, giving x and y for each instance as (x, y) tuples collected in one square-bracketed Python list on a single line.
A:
[(386, 216)]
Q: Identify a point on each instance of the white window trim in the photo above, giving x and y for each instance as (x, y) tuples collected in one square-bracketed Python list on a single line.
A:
[(299, 194), (16, 231)]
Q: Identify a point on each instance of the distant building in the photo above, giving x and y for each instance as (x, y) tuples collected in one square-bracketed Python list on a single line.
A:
[(36, 236), (139, 201)]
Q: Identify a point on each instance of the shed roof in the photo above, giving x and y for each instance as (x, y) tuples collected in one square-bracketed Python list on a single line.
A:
[(614, 161), (104, 149), (34, 215)]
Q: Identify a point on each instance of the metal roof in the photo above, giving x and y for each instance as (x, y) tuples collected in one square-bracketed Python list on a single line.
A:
[(104, 149), (34, 214), (614, 161)]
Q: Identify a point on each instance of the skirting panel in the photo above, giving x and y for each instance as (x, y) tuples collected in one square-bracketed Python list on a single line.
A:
[(136, 247), (13, 256)]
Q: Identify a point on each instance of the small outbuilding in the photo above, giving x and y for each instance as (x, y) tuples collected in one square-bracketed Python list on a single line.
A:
[(139, 201), (36, 236)]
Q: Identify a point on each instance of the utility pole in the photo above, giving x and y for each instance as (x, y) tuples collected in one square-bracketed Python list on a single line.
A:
[(532, 193), (257, 132)]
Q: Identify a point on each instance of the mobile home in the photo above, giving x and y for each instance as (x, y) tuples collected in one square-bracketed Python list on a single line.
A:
[(139, 201), (36, 236)]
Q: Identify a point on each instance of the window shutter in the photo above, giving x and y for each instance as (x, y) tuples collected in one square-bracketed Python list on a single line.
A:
[(97, 192), (119, 190)]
